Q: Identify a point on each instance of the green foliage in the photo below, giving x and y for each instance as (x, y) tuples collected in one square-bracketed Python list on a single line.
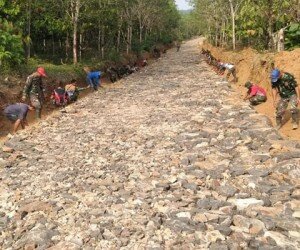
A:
[(8, 8), (105, 29), (11, 48), (147, 44), (59, 72), (256, 22), (113, 55), (292, 36), (189, 26)]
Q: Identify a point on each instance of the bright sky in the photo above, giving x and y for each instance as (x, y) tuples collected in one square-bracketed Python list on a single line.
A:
[(182, 4)]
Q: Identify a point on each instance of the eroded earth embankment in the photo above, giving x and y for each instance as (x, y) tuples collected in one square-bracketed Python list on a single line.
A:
[(170, 158), (256, 67)]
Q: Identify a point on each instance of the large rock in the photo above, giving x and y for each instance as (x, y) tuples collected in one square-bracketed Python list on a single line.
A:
[(281, 240), (244, 203)]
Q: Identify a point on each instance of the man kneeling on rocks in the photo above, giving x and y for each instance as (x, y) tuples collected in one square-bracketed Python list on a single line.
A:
[(255, 94), (17, 114)]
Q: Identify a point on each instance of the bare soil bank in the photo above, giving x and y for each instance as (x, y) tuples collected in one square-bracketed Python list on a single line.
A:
[(256, 67)]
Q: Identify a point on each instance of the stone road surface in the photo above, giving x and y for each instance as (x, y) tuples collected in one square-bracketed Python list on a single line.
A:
[(168, 159)]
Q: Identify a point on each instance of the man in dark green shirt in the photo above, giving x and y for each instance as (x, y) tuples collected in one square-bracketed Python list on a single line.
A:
[(285, 85), (34, 90)]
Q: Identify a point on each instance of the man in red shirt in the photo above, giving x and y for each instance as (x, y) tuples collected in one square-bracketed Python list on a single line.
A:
[(255, 94)]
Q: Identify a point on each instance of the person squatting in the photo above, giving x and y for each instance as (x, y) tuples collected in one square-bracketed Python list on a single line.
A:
[(285, 89)]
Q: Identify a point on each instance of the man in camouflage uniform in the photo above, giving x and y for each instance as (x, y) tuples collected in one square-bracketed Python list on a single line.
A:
[(285, 85), (35, 91)]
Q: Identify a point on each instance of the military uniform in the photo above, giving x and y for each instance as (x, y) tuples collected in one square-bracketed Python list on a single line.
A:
[(35, 91), (286, 87)]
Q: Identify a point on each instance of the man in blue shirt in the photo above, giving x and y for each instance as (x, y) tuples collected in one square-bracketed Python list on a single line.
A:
[(17, 113), (93, 78)]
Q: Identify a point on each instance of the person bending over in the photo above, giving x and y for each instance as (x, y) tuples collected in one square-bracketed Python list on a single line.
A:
[(230, 71), (255, 94), (93, 78), (17, 114)]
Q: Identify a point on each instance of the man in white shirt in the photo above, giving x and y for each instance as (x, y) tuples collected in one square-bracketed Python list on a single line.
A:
[(230, 71)]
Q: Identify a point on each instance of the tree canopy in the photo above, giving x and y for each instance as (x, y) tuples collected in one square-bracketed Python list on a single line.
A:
[(248, 22), (74, 30), (11, 49)]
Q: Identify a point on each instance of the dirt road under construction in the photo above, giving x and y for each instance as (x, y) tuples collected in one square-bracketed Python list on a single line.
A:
[(170, 158)]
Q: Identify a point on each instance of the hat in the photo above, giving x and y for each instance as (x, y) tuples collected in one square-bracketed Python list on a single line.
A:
[(248, 85), (275, 75), (41, 71)]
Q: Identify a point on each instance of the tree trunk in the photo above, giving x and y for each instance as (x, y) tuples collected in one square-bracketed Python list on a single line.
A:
[(232, 11), (99, 37), (99, 29), (119, 33), (128, 40), (141, 29), (270, 42), (44, 45), (119, 39), (217, 35), (102, 42), (67, 47), (209, 29), (280, 44), (28, 43), (130, 36), (75, 8), (80, 47), (53, 45), (75, 61), (223, 33)]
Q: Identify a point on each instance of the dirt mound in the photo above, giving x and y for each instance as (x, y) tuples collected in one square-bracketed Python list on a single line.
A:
[(256, 67)]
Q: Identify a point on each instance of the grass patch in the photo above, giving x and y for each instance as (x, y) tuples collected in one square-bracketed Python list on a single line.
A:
[(63, 72)]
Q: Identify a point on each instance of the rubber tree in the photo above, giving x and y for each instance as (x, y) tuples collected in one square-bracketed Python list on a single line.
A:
[(115, 26), (74, 11), (234, 8)]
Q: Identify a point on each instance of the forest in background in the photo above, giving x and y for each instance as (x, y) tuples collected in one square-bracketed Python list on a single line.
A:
[(257, 23), (67, 32), (74, 31)]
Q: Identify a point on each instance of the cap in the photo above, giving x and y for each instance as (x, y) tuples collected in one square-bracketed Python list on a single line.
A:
[(275, 75), (41, 71), (248, 85)]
